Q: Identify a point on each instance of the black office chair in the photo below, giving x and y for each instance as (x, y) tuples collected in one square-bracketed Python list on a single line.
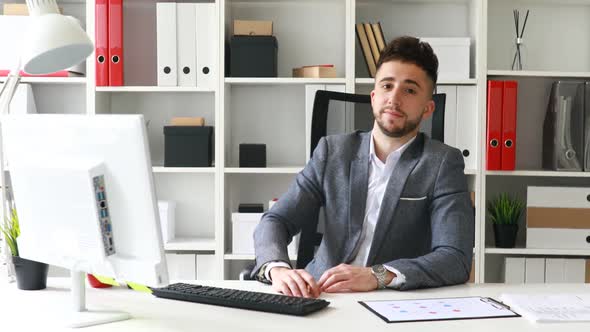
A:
[(323, 106)]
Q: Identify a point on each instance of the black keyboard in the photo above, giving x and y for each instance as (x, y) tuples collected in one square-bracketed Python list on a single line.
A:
[(227, 297)]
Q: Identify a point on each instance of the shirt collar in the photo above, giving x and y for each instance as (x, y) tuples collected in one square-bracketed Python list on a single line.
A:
[(397, 152)]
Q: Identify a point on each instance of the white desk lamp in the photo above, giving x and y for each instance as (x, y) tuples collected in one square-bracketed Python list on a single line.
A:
[(53, 42)]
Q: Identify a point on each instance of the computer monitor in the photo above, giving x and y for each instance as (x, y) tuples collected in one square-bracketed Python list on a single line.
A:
[(83, 188)]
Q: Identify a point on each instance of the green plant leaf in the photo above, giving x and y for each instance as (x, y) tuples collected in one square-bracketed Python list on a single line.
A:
[(505, 210), (11, 231)]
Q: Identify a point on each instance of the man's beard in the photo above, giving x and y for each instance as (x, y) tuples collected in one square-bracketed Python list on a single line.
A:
[(409, 126)]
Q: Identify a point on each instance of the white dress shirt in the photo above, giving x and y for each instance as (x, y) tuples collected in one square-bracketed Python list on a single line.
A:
[(379, 174)]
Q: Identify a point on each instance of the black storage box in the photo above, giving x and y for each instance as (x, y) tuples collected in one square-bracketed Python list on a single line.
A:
[(253, 56), (187, 146), (252, 155), (250, 208)]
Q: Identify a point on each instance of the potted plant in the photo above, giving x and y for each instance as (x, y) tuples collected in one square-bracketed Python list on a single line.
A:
[(504, 213), (30, 275)]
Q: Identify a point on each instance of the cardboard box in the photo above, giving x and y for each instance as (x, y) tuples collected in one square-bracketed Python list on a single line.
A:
[(558, 218), (315, 72), (252, 28), (18, 9), (187, 121), (453, 56)]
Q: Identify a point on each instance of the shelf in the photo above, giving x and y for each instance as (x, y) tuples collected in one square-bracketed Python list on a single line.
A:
[(199, 170), (529, 251), (470, 81), (248, 257), (258, 2), (263, 170), (190, 244), (532, 73), (150, 89), (50, 80), (414, 1), (281, 80), (539, 173)]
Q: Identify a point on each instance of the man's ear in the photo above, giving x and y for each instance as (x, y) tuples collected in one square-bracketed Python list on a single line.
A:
[(428, 109)]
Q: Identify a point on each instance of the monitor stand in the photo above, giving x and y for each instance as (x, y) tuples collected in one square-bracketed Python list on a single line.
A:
[(82, 317)]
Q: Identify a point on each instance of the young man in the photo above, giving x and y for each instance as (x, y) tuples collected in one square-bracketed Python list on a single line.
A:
[(398, 213)]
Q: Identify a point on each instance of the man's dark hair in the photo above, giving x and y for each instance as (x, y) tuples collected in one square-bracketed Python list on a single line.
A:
[(411, 50)]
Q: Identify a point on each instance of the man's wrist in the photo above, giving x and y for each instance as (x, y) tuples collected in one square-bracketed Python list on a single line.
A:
[(389, 278), (275, 269), (270, 265)]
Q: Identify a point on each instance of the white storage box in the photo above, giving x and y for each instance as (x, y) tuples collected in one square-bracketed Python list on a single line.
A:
[(558, 218), (182, 266), (453, 57), (244, 225), (514, 270), (167, 216)]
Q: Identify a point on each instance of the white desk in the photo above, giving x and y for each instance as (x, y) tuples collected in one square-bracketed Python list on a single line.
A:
[(24, 310)]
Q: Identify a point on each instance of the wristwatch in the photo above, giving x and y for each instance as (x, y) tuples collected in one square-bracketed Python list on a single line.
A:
[(261, 275), (380, 274)]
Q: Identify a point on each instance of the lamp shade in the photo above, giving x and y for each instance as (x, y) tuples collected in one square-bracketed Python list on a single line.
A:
[(54, 42)]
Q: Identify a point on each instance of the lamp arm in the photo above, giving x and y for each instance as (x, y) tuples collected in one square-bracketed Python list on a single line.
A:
[(8, 90), (40, 7)]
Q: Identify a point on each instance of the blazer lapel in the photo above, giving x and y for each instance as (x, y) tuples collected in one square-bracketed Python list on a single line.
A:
[(395, 185), (359, 186)]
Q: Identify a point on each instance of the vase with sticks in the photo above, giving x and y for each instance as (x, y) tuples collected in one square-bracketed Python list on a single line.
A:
[(519, 50)]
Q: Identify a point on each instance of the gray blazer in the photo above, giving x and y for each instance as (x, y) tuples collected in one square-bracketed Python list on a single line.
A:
[(425, 227)]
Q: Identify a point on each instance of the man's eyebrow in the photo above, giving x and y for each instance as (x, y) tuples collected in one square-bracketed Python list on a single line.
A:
[(391, 79), (413, 82)]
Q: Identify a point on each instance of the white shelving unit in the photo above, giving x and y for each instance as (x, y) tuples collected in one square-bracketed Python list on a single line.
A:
[(273, 110), (547, 46)]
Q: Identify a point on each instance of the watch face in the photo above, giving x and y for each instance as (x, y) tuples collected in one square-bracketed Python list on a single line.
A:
[(378, 269)]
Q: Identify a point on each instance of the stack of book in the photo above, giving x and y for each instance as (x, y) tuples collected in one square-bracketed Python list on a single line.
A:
[(372, 40)]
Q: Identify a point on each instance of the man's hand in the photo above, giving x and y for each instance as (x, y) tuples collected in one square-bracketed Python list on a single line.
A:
[(294, 282), (348, 278)]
